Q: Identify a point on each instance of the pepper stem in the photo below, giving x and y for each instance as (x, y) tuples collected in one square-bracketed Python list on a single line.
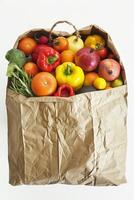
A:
[(52, 59), (68, 70)]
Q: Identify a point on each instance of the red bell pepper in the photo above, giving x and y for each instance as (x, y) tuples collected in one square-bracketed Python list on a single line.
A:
[(39, 48), (48, 59), (64, 90)]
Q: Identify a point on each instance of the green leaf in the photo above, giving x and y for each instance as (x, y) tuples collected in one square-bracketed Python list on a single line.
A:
[(20, 81)]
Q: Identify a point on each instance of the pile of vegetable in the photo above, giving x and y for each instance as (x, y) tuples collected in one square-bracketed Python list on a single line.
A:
[(63, 66)]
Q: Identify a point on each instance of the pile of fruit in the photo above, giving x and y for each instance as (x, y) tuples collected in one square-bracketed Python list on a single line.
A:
[(63, 66)]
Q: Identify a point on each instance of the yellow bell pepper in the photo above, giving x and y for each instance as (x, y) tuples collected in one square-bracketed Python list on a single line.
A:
[(69, 73), (94, 42)]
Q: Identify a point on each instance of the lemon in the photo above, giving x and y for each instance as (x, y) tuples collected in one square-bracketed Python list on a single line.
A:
[(99, 83)]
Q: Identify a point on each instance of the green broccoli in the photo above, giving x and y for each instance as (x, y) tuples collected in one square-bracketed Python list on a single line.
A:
[(17, 57), (20, 82)]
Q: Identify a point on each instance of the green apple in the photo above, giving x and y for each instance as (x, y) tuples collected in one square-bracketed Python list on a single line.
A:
[(75, 43), (117, 82)]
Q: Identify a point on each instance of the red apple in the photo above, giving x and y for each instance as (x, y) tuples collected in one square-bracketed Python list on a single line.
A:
[(109, 69), (87, 59)]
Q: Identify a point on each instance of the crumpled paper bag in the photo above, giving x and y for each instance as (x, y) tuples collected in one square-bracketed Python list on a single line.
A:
[(76, 140)]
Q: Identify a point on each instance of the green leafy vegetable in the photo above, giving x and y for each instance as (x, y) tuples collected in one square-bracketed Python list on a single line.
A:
[(16, 56), (20, 82), (10, 69)]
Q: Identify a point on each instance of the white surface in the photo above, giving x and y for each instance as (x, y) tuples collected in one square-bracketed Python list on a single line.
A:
[(115, 17)]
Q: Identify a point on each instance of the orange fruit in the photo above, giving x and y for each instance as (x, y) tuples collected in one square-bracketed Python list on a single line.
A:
[(27, 45), (90, 78), (67, 56), (31, 68), (60, 44), (43, 84)]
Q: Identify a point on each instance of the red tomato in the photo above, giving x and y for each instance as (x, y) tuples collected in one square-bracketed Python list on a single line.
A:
[(60, 44), (103, 52)]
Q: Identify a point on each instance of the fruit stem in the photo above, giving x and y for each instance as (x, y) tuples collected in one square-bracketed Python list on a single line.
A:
[(68, 70), (52, 59), (98, 46), (76, 39)]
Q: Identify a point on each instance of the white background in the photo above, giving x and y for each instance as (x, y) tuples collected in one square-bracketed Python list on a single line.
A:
[(116, 17)]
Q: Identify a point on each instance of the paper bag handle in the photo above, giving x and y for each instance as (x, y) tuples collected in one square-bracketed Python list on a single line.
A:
[(60, 22)]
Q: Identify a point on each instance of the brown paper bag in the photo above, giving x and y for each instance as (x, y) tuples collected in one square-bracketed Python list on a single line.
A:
[(75, 140)]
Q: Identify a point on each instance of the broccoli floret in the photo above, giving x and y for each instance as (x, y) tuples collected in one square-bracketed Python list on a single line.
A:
[(16, 56)]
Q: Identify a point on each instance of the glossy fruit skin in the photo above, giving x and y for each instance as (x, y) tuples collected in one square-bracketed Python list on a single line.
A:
[(39, 48), (67, 56), (117, 82), (109, 69), (87, 59), (69, 73), (60, 44), (48, 59), (31, 69), (27, 45), (90, 78), (75, 44), (43, 84), (95, 42), (103, 52), (99, 83), (64, 90)]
